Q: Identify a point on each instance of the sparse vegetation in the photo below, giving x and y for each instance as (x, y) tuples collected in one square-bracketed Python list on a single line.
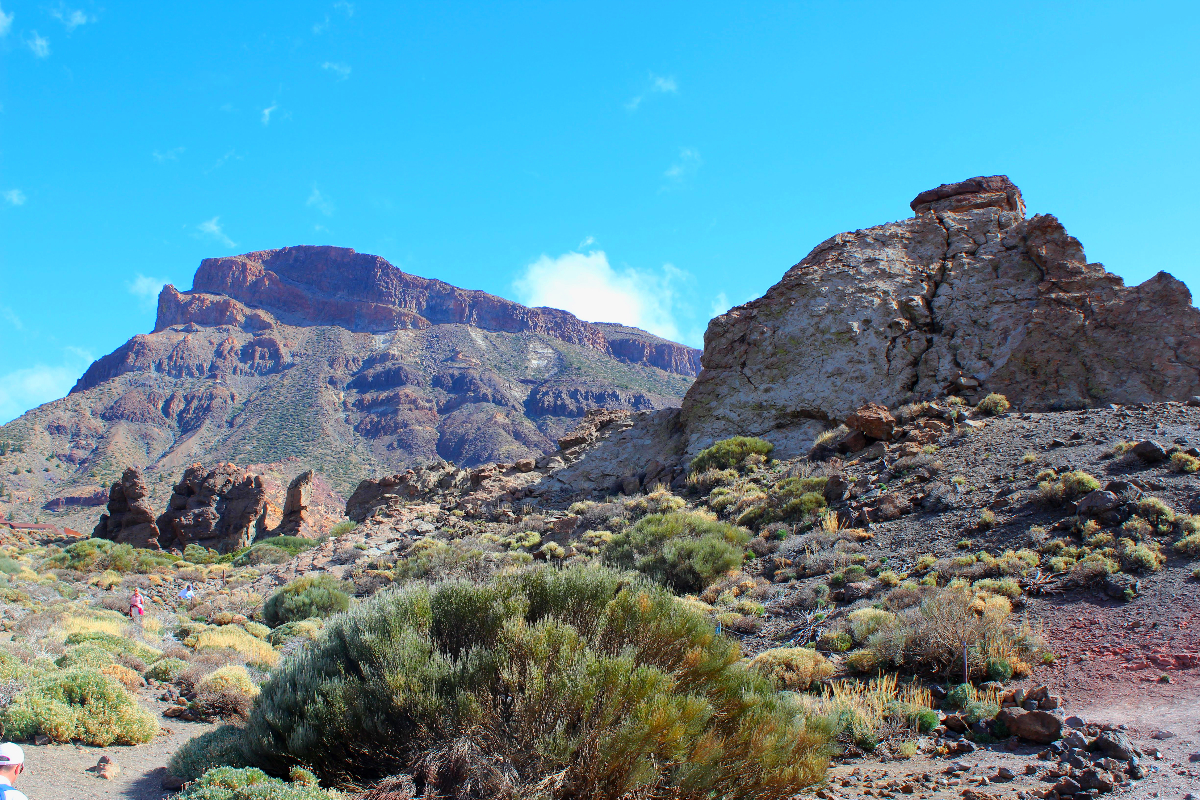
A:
[(307, 596), (730, 453), (1182, 462), (685, 550), (792, 668)]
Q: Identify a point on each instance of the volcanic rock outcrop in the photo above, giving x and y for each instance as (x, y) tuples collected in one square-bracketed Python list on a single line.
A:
[(129, 520), (966, 297), (307, 510), (223, 509)]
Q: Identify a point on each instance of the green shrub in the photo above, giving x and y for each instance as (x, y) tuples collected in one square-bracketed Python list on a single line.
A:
[(308, 596), (228, 783), (1077, 484), (342, 528), (223, 747), (729, 453), (1157, 513), (959, 696), (166, 670), (272, 550), (999, 669), (583, 677), (117, 644), (835, 641), (1189, 546), (78, 704), (685, 550), (1141, 557), (993, 404), (98, 555), (85, 655), (309, 629)]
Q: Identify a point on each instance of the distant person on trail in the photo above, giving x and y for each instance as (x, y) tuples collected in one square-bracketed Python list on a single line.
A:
[(12, 764), (137, 605), (187, 592)]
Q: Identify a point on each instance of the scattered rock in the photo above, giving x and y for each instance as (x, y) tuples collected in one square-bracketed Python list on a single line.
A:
[(1116, 745), (1150, 451), (874, 421), (106, 768), (1035, 726), (1096, 503)]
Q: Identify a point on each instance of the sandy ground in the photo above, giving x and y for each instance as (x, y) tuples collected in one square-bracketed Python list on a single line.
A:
[(59, 771)]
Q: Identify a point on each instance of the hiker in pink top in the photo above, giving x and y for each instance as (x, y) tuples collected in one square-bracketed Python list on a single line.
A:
[(136, 604)]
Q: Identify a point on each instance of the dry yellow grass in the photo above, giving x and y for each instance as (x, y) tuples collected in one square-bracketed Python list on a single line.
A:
[(125, 676), (792, 668), (235, 638), (232, 676), (93, 620)]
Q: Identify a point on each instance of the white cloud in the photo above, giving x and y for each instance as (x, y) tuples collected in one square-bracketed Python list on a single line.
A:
[(344, 7), (168, 155), (688, 162), (146, 290), (320, 27), (11, 318), (320, 202), (341, 70), (589, 287), (588, 241), (23, 389), (40, 45), (220, 162), (70, 19), (266, 113), (14, 197), (212, 228), (5, 22), (658, 85)]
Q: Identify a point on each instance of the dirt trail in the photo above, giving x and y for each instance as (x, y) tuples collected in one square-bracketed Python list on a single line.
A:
[(59, 771)]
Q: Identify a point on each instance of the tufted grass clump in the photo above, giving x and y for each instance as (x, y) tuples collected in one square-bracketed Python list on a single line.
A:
[(1182, 462), (793, 668), (117, 644), (234, 638), (583, 677), (993, 405), (308, 596), (78, 704), (730, 453), (866, 713), (1140, 556), (223, 747), (1155, 511), (685, 550)]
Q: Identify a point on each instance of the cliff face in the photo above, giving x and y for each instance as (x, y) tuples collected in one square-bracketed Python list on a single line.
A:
[(341, 362), (965, 297), (306, 286)]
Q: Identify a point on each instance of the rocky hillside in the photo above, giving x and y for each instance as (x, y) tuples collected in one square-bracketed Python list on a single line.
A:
[(334, 358)]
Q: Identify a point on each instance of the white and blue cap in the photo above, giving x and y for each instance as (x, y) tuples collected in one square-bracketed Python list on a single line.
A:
[(11, 754)]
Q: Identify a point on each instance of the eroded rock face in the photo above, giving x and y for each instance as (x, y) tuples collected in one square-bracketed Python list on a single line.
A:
[(223, 509), (129, 520), (966, 297), (307, 511)]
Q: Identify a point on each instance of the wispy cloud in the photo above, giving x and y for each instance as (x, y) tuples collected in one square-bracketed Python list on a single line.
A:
[(212, 228), (320, 202), (40, 45), (341, 70), (168, 155), (220, 162), (658, 85), (5, 23), (320, 27), (266, 113), (146, 289), (14, 197), (23, 389), (590, 240), (591, 289), (345, 7), (685, 166), (10, 316), (69, 18)]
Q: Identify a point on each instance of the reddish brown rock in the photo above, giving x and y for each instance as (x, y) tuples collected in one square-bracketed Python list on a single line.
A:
[(129, 520), (222, 509), (80, 497), (993, 191), (307, 509), (873, 420)]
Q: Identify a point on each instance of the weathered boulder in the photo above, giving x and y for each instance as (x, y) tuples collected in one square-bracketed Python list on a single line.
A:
[(1116, 745), (1097, 502), (423, 483), (223, 509), (129, 520), (1041, 727), (1150, 451), (966, 297), (873, 420)]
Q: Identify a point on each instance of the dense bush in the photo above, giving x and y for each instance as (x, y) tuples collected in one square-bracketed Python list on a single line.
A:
[(685, 550), (78, 704), (729, 453), (116, 644), (793, 668), (272, 550), (308, 596), (228, 783), (98, 555), (223, 747), (993, 404), (166, 669), (539, 684)]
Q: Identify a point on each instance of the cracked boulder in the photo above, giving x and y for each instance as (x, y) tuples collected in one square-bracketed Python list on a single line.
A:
[(966, 297), (129, 520), (222, 509)]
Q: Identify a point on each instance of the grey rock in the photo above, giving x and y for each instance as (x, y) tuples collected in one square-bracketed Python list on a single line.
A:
[(1150, 451), (1117, 745), (1097, 502)]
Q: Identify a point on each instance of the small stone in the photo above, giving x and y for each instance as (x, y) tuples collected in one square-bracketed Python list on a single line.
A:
[(1117, 745), (1161, 735), (525, 465), (41, 739), (1005, 774)]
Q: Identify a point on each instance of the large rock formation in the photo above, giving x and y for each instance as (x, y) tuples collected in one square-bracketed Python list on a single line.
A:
[(129, 520), (223, 509), (309, 508), (965, 297)]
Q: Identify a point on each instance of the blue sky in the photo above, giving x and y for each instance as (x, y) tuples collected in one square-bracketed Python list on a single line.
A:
[(651, 163)]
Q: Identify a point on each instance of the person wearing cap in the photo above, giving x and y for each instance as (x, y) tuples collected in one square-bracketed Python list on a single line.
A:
[(12, 764)]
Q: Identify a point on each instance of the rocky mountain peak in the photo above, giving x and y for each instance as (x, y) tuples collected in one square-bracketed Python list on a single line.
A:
[(993, 191)]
